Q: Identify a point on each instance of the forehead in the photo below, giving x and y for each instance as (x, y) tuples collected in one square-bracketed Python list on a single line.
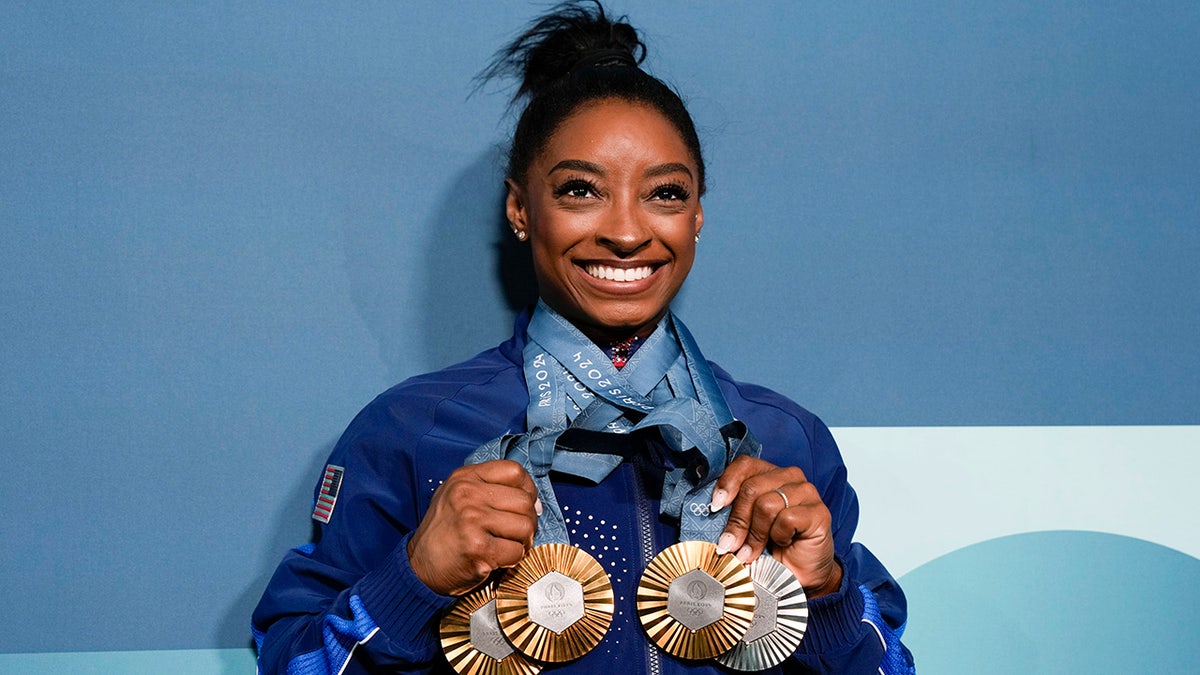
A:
[(616, 131)]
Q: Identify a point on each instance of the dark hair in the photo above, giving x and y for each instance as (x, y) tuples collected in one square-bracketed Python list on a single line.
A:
[(574, 55)]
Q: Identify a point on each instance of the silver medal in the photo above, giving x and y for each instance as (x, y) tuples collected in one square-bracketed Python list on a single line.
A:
[(780, 618)]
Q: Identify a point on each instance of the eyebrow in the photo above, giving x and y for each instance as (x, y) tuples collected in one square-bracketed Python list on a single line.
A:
[(577, 165), (668, 168), (591, 167)]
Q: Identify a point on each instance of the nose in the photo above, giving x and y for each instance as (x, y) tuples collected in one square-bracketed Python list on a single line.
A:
[(623, 229)]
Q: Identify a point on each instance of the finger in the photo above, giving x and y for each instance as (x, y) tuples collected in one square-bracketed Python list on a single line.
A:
[(514, 527), (507, 553), (505, 472), (741, 511), (515, 475), (485, 554), (464, 496), (493, 537), (807, 518), (765, 513), (502, 498), (732, 478)]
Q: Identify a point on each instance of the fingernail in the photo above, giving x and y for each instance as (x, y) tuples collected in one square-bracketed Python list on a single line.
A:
[(537, 506), (743, 554), (725, 543), (718, 500)]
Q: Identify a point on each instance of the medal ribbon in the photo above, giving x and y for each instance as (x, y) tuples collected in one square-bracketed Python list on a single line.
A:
[(577, 397)]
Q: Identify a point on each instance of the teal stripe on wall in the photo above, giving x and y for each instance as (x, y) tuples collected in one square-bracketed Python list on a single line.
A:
[(176, 661)]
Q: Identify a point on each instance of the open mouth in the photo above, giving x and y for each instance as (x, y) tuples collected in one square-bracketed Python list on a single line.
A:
[(619, 273)]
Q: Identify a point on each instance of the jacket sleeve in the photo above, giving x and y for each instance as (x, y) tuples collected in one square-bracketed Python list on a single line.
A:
[(348, 604), (858, 628)]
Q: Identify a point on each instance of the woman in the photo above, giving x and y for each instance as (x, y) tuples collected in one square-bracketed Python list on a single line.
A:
[(448, 479)]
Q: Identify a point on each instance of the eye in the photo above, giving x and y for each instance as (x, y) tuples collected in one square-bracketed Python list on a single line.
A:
[(575, 188), (671, 192)]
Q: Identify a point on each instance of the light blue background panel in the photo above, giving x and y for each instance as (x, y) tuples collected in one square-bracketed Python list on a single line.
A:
[(149, 662), (226, 228)]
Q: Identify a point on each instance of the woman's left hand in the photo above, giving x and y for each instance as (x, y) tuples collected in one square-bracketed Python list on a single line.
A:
[(778, 506)]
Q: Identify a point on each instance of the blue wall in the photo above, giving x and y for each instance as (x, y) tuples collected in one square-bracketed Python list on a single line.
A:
[(226, 228)]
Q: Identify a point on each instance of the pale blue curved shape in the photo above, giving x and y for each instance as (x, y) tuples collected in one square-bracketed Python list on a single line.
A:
[(1056, 602)]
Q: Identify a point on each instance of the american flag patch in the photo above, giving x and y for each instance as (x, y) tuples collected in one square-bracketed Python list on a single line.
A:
[(331, 485)]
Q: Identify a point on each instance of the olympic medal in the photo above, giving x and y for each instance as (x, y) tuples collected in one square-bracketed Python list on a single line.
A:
[(695, 603), (556, 604), (780, 618), (473, 642)]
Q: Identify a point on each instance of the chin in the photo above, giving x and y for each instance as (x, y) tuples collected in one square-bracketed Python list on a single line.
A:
[(622, 324)]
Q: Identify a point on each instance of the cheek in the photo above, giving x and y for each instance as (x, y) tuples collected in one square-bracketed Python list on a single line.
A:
[(684, 241), (684, 264), (554, 237), (551, 264), (549, 242)]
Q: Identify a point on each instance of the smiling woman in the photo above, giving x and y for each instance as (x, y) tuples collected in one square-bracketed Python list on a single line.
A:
[(522, 509), (612, 211)]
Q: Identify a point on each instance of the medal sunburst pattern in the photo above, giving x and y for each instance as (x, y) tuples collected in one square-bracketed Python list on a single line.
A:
[(791, 619), (456, 640), (671, 635), (537, 641)]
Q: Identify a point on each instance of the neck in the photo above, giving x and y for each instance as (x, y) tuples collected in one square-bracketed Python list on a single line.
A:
[(604, 335), (608, 337)]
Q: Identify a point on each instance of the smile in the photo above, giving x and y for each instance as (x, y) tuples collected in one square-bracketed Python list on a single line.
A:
[(619, 273)]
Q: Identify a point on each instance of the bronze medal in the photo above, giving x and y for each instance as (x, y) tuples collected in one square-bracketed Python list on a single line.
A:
[(556, 604), (473, 642), (780, 618), (694, 603)]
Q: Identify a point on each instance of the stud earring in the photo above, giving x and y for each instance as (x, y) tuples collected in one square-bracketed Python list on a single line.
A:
[(697, 237), (521, 236)]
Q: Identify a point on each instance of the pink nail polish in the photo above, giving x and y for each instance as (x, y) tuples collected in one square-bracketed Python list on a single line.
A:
[(743, 553), (724, 543), (718, 500)]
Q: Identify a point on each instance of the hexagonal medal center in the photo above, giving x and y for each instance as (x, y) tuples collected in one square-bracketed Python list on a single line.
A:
[(696, 599), (766, 611), (486, 635), (555, 602)]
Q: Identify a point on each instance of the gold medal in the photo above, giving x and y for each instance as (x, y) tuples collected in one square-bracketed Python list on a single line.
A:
[(556, 604), (780, 618), (473, 642), (694, 603)]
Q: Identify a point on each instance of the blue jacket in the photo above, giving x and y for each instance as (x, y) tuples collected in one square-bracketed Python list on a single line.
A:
[(351, 603)]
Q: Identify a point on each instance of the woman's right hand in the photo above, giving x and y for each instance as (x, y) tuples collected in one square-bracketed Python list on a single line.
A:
[(480, 520)]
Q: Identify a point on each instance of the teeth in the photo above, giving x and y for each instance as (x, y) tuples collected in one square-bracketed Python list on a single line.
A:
[(619, 273)]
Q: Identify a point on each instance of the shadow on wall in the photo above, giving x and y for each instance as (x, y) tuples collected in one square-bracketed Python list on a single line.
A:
[(478, 274), (290, 527), (455, 298), (476, 277)]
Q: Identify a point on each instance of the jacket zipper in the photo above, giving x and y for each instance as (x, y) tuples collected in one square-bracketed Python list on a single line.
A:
[(646, 539)]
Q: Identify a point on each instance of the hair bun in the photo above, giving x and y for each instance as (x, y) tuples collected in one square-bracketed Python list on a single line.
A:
[(572, 36), (571, 56)]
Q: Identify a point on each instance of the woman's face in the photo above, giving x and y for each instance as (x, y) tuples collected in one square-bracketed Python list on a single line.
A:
[(612, 210)]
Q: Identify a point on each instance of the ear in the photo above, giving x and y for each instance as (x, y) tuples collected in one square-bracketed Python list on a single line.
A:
[(699, 219), (514, 207)]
